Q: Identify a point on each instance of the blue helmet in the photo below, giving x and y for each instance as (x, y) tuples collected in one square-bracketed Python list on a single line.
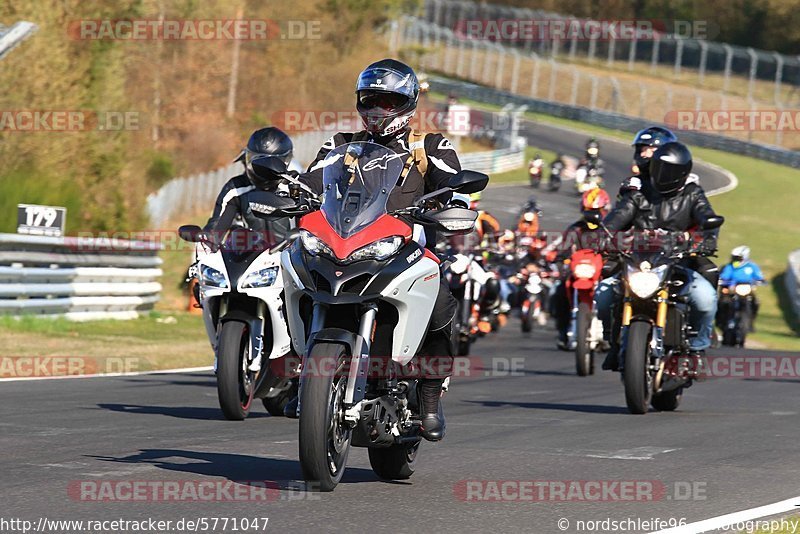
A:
[(654, 136), (387, 94)]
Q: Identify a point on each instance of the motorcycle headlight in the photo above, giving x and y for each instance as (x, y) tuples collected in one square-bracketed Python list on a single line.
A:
[(211, 277), (584, 270), (313, 244), (263, 278), (646, 282), (743, 289), (379, 250)]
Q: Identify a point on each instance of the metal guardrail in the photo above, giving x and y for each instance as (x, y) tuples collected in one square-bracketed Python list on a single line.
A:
[(792, 281), (77, 277), (606, 119)]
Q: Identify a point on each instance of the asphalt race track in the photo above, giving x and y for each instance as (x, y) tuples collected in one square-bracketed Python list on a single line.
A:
[(519, 414)]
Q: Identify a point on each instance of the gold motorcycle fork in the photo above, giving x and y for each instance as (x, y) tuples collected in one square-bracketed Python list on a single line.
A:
[(627, 309), (661, 315)]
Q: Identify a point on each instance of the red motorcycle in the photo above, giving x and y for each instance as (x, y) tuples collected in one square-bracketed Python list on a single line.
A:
[(586, 330)]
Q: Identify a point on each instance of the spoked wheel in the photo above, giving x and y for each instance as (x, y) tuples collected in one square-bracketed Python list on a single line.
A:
[(395, 462), (235, 384), (636, 375), (324, 438), (584, 356)]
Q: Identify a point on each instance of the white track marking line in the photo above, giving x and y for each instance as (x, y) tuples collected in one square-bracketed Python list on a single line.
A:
[(726, 520), (111, 375)]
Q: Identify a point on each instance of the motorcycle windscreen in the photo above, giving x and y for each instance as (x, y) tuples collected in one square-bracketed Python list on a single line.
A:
[(357, 180)]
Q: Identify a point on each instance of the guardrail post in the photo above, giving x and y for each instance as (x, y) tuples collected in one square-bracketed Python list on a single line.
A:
[(461, 56), (612, 48), (778, 76), (753, 68), (592, 48), (551, 93), (535, 77), (501, 66), (632, 49), (728, 61), (576, 80), (703, 59), (515, 72), (678, 56), (593, 100), (654, 56)]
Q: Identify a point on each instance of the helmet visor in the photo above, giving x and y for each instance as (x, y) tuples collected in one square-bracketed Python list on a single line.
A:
[(388, 80), (390, 102)]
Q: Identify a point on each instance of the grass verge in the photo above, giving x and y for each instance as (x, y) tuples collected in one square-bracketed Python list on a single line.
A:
[(151, 342)]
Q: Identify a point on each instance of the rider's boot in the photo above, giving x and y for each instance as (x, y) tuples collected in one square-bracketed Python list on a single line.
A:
[(433, 423)]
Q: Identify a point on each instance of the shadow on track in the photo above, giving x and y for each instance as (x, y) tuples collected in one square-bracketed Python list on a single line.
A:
[(239, 468), (582, 408), (181, 412)]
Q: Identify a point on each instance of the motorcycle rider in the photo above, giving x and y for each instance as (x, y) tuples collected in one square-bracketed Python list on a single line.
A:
[(591, 157), (740, 270), (667, 201), (576, 237), (557, 166), (266, 159), (645, 143), (387, 93), (535, 166)]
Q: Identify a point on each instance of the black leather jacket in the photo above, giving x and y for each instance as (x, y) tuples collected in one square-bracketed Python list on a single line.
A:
[(645, 208)]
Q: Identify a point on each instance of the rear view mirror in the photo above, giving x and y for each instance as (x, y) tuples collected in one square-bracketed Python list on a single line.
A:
[(468, 182), (715, 221), (453, 221), (191, 233)]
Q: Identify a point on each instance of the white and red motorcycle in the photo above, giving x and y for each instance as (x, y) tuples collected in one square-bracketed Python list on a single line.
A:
[(360, 291)]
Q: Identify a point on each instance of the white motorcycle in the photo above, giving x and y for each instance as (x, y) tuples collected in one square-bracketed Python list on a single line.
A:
[(240, 293)]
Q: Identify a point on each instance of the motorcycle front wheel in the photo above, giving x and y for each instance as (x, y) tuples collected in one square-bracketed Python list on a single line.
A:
[(234, 381), (636, 376), (324, 439)]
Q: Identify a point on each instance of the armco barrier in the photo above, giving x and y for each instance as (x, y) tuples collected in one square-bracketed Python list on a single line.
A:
[(792, 281), (80, 278)]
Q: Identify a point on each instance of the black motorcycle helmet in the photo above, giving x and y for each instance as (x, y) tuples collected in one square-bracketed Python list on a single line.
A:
[(592, 148), (266, 157), (670, 165), (654, 136), (387, 93)]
